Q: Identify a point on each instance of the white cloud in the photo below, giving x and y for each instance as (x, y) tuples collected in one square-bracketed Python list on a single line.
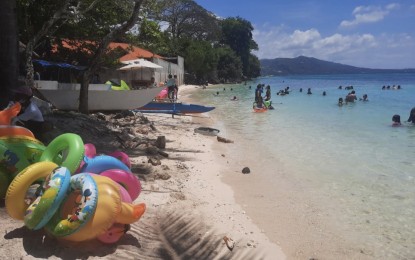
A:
[(363, 50), (369, 14)]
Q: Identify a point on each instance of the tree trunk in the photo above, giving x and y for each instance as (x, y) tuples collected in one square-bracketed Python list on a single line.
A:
[(83, 93), (30, 72), (100, 52), (8, 50)]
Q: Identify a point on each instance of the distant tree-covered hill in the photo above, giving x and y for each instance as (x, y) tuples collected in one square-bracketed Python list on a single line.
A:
[(306, 65)]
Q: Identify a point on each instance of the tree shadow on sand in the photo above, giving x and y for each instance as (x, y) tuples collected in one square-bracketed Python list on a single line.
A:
[(169, 235)]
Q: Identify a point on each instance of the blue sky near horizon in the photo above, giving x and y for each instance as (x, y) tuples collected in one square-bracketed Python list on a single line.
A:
[(371, 34)]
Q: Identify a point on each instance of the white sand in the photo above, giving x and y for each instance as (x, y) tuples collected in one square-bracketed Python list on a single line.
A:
[(194, 192)]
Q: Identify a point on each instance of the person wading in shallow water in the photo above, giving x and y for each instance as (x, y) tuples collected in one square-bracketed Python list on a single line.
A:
[(412, 116)]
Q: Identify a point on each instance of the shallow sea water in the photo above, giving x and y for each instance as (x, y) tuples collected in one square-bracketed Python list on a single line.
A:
[(349, 155)]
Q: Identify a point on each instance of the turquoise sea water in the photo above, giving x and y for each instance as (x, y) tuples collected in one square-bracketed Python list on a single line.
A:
[(350, 156)]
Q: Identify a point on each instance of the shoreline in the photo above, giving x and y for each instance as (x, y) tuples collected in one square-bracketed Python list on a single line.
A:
[(231, 217), (288, 213), (184, 195)]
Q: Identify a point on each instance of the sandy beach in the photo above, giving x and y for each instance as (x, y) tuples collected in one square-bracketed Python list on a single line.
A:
[(190, 211)]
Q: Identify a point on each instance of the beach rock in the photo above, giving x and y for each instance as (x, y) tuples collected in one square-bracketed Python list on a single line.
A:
[(178, 196), (246, 170), (161, 142), (164, 154), (152, 150), (127, 113), (224, 140), (154, 161), (162, 176)]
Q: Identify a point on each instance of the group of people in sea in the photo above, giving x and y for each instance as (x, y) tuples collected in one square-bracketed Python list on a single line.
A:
[(396, 119), (394, 87), (351, 97), (260, 101)]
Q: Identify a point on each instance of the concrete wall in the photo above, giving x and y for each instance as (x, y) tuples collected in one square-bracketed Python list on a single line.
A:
[(161, 75), (145, 74)]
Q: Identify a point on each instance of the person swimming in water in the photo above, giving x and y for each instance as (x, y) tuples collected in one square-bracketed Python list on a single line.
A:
[(364, 98), (234, 98), (412, 116), (340, 103), (396, 119), (351, 97)]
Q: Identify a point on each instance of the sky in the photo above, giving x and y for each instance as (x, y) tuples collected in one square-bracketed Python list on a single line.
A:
[(370, 34)]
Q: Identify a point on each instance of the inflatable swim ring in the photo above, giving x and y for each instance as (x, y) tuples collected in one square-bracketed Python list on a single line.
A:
[(7, 114), (81, 204), (16, 153), (73, 144), (110, 209), (102, 163), (16, 192), (260, 110), (44, 207), (127, 180), (8, 130), (30, 147), (207, 131), (12, 160), (123, 157)]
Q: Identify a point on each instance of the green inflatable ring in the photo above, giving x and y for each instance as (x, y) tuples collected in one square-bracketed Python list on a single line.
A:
[(73, 144)]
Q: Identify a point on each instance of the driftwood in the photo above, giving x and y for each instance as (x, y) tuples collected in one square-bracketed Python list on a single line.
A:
[(164, 154), (224, 140)]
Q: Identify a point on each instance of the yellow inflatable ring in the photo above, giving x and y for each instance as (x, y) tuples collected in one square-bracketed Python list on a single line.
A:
[(15, 196), (44, 207), (81, 203), (75, 151)]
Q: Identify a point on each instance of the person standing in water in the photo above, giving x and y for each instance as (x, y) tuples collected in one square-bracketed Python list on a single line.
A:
[(396, 119), (268, 93), (412, 116)]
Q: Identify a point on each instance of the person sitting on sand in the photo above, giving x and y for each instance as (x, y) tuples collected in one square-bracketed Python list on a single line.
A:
[(396, 119), (412, 116)]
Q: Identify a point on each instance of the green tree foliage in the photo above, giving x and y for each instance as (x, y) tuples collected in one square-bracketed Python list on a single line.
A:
[(237, 34), (229, 66), (201, 59), (185, 19), (254, 67), (213, 49)]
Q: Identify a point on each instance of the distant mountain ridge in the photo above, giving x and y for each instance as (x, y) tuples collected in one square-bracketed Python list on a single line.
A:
[(311, 66)]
